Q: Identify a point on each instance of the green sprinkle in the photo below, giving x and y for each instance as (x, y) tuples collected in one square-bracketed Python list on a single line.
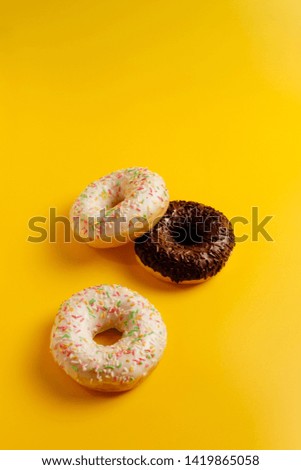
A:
[(132, 313), (91, 313), (130, 333), (66, 336), (119, 365), (108, 367), (92, 301), (136, 339), (139, 338), (75, 368), (118, 303)]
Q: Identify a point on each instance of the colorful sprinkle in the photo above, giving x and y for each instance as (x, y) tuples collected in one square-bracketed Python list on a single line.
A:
[(118, 366)]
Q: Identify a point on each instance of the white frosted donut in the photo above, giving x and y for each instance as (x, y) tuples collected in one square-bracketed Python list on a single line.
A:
[(108, 368), (118, 207)]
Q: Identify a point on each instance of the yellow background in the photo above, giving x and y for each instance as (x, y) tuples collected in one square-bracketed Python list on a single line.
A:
[(208, 95)]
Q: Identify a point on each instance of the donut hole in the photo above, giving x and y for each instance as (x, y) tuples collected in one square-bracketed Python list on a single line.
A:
[(187, 234), (108, 337), (195, 230), (116, 200)]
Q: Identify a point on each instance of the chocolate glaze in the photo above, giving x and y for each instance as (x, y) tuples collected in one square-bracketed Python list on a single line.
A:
[(190, 242)]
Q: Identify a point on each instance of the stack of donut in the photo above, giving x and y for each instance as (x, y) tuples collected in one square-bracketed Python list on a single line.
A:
[(177, 241)]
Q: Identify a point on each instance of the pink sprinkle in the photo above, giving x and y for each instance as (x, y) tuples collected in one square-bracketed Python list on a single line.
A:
[(63, 328)]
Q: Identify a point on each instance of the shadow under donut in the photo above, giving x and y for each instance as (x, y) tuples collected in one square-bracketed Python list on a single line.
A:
[(73, 253), (55, 382)]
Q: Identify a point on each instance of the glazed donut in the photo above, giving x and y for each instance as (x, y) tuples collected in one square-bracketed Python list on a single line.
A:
[(190, 244), (117, 367), (119, 207)]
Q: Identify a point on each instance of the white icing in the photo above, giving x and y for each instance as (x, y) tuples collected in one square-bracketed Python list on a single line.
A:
[(93, 310), (137, 197)]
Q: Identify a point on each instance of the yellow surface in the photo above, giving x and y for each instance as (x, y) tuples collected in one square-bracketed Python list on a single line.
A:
[(208, 95)]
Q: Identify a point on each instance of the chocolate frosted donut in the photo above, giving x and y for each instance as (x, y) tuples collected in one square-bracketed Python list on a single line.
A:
[(190, 243)]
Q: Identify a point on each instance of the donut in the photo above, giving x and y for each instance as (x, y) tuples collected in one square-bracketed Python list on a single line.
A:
[(119, 207), (190, 244), (117, 367)]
